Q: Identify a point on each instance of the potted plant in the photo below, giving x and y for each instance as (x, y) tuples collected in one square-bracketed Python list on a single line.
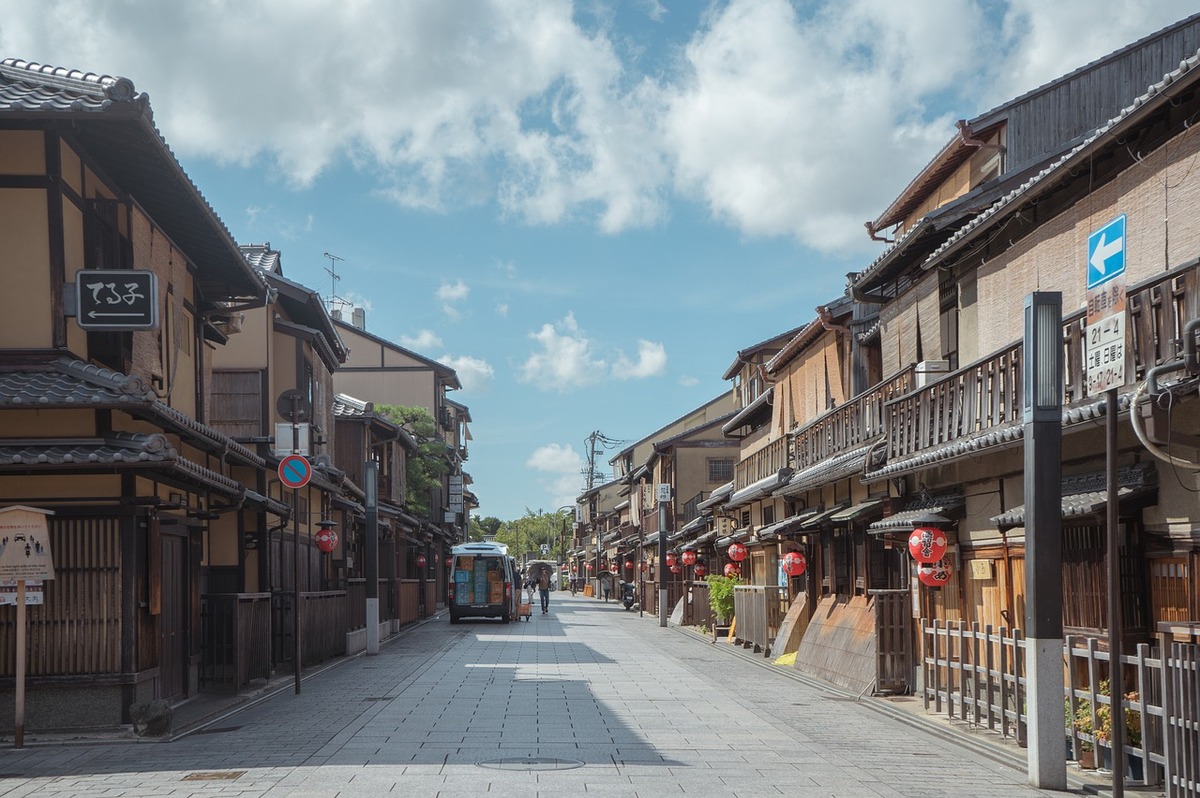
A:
[(1133, 733), (720, 599), (1082, 721)]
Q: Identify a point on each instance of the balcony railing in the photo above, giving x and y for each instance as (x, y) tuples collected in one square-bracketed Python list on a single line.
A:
[(855, 423), (691, 508), (987, 394), (761, 464)]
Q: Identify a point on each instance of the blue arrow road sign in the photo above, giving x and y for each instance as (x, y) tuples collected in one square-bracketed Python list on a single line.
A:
[(295, 471), (1106, 253)]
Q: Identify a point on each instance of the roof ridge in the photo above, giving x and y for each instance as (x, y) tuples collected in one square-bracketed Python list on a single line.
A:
[(109, 87)]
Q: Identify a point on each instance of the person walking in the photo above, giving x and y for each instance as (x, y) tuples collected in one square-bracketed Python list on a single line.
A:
[(543, 583)]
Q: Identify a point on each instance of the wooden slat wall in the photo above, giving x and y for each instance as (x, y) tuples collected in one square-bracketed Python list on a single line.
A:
[(1169, 588), (78, 630), (236, 403)]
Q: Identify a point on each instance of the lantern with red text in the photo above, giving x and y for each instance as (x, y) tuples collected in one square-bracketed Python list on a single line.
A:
[(326, 538), (419, 561), (934, 574), (736, 552), (701, 570), (676, 568), (927, 544), (794, 563), (589, 566), (732, 570), (629, 565), (672, 559), (688, 557)]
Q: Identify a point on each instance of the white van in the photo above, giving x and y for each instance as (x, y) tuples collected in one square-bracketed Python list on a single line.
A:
[(482, 582)]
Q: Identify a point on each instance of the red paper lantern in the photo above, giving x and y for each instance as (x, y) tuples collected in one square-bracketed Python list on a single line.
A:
[(688, 557), (677, 568), (420, 561), (732, 570), (573, 569), (934, 574), (629, 565), (671, 560), (590, 567), (645, 567), (794, 563), (927, 544), (737, 552), (327, 539), (701, 570)]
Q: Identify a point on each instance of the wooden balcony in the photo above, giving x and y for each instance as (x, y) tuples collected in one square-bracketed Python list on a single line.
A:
[(854, 424), (761, 464), (986, 395)]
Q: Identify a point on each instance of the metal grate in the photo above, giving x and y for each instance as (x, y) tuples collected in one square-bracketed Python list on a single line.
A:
[(531, 763), (214, 775)]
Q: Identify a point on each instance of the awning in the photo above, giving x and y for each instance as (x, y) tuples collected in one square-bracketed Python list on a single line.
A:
[(821, 517), (760, 488), (787, 526), (1087, 495), (858, 512), (716, 497), (950, 506), (738, 536), (651, 539), (757, 408), (828, 470)]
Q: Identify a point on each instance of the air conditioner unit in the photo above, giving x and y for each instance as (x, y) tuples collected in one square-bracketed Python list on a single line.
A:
[(931, 370)]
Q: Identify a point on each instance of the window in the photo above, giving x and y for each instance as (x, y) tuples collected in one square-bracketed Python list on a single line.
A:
[(768, 514), (948, 318), (720, 469)]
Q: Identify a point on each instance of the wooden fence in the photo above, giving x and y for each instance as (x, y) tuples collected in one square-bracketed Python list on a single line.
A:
[(696, 610), (893, 640), (236, 647), (326, 618), (977, 676), (408, 600), (759, 610)]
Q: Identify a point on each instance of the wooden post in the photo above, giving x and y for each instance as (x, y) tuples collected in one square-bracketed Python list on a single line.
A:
[(19, 698)]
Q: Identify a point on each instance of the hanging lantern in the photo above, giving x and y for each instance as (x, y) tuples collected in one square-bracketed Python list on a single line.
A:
[(629, 565), (676, 568), (327, 539), (671, 560), (688, 557), (574, 569), (934, 574), (701, 570), (437, 558), (732, 570), (590, 566), (736, 552), (794, 563), (645, 567), (927, 544), (420, 562)]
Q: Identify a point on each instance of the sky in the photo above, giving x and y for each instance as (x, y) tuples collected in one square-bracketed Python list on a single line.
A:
[(585, 208)]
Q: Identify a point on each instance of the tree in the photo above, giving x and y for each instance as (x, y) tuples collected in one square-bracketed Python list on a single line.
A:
[(426, 470), (484, 527)]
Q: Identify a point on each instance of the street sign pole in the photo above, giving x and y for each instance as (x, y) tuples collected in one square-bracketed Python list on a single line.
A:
[(296, 649), (664, 500), (19, 697), (371, 554)]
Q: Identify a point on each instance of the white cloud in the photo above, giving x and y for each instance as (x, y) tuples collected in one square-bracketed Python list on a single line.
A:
[(651, 361), (502, 309), (474, 373), (783, 117), (453, 292), (423, 341), (563, 468), (565, 360), (688, 381)]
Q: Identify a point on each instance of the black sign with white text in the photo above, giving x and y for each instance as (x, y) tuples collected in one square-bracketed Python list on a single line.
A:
[(109, 299)]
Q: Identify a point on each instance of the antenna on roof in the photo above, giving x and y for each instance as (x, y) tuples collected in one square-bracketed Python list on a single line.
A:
[(335, 302)]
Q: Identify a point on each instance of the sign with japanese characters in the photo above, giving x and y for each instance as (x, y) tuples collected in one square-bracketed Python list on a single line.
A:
[(35, 592), (1104, 346), (110, 299), (25, 544)]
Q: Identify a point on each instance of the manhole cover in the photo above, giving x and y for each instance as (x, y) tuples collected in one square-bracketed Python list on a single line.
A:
[(218, 775), (379, 698), (531, 763)]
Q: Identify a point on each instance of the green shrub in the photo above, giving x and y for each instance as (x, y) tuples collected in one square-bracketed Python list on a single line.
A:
[(720, 596)]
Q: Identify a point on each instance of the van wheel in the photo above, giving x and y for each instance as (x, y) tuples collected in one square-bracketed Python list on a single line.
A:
[(505, 619), (453, 618)]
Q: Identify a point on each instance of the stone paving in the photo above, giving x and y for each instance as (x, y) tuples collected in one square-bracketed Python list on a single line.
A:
[(589, 699)]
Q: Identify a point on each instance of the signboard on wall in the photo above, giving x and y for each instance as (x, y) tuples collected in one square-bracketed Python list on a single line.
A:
[(1104, 342), (116, 299)]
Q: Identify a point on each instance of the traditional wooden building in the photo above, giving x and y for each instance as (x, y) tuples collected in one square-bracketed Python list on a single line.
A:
[(110, 427)]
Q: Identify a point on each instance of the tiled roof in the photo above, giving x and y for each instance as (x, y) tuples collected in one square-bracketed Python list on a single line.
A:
[(1086, 494), (262, 257), (115, 125), (946, 504), (1155, 95), (345, 406), (65, 383), (132, 449), (830, 469)]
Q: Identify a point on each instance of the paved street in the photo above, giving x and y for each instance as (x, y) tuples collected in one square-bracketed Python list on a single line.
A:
[(548, 707)]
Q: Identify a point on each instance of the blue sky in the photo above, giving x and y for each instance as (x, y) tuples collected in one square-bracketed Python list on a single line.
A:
[(585, 208)]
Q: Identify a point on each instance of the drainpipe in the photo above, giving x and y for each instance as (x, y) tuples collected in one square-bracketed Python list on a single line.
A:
[(967, 137)]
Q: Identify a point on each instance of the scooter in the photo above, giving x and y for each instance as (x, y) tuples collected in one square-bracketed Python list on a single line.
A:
[(628, 596)]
